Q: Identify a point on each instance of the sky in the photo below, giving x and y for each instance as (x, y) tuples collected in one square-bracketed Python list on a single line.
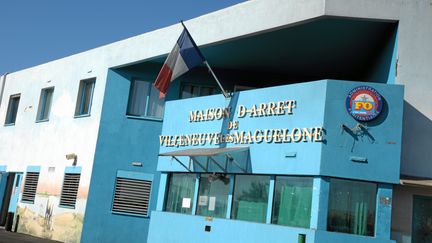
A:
[(33, 32)]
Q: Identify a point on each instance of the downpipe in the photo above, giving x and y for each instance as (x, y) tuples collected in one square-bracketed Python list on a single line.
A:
[(3, 84)]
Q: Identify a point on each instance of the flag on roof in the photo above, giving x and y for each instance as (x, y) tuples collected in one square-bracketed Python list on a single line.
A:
[(184, 56)]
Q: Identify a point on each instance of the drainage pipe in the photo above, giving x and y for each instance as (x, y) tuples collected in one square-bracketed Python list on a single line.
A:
[(2, 86)]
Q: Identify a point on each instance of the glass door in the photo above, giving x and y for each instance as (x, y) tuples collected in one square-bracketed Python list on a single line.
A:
[(15, 193), (3, 182), (422, 219)]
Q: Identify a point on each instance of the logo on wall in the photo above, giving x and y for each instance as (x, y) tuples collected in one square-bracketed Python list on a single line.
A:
[(364, 103)]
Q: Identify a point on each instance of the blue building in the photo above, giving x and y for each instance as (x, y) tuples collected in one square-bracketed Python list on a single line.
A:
[(325, 138), (282, 163)]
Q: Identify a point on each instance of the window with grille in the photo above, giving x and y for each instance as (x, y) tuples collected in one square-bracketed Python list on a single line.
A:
[(132, 196), (69, 190), (30, 186)]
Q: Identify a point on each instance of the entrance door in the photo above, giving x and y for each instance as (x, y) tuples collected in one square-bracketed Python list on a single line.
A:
[(15, 193), (3, 183), (7, 192), (422, 220), (10, 195)]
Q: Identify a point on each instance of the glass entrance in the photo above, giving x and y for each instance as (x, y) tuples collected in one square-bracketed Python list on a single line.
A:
[(422, 220), (15, 193)]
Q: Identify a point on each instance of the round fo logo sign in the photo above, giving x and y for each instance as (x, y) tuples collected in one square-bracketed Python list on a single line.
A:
[(364, 103)]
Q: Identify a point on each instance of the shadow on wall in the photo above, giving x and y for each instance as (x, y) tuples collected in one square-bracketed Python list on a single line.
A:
[(416, 143)]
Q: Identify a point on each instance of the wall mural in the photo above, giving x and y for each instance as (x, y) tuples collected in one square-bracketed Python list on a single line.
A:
[(44, 218)]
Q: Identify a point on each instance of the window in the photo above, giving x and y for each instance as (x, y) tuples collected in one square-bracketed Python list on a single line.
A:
[(144, 100), (292, 201), (12, 109), (85, 95), (250, 198), (30, 186), (132, 196), (213, 195), (352, 207), (421, 219), (69, 190), (238, 88), (45, 104), (180, 193), (190, 91)]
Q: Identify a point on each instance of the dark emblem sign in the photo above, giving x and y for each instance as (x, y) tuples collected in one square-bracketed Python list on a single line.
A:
[(364, 103)]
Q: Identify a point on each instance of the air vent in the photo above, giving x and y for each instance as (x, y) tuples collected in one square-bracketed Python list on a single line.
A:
[(30, 186), (131, 196), (69, 190)]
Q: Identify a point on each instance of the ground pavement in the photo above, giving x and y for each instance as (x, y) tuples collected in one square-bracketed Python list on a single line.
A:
[(10, 237)]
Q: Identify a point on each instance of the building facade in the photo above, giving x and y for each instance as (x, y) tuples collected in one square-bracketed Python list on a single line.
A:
[(281, 163), (94, 155)]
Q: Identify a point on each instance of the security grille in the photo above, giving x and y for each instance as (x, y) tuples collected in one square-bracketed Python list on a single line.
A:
[(69, 190), (30, 186), (131, 196)]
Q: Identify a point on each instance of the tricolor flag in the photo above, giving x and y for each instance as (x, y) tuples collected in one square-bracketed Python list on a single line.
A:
[(184, 56)]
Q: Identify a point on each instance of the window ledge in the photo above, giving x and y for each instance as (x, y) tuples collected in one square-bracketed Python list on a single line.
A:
[(44, 120), (9, 124), (148, 118), (131, 214), (67, 207), (27, 202), (82, 116)]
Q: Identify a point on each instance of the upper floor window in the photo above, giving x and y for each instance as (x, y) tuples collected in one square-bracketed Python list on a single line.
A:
[(45, 104), (144, 100), (193, 90), (85, 95), (12, 109)]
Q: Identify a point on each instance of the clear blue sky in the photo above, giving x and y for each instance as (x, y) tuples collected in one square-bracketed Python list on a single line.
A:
[(37, 31)]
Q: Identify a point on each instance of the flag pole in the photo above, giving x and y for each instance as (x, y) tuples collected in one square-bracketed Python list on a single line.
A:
[(217, 80), (209, 68)]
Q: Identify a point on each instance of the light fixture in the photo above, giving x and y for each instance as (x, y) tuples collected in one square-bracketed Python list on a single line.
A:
[(72, 156)]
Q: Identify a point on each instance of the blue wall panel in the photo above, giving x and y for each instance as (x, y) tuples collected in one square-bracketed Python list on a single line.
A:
[(175, 228), (382, 136), (319, 209), (121, 141), (319, 103), (265, 157), (383, 209), (73, 169), (32, 168), (326, 236)]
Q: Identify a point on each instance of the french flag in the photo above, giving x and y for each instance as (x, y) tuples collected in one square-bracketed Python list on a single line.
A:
[(184, 56)]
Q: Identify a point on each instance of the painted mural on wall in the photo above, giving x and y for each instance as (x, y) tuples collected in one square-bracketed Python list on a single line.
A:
[(44, 218)]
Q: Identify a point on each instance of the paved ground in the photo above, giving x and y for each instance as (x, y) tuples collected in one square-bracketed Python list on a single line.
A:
[(10, 237)]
